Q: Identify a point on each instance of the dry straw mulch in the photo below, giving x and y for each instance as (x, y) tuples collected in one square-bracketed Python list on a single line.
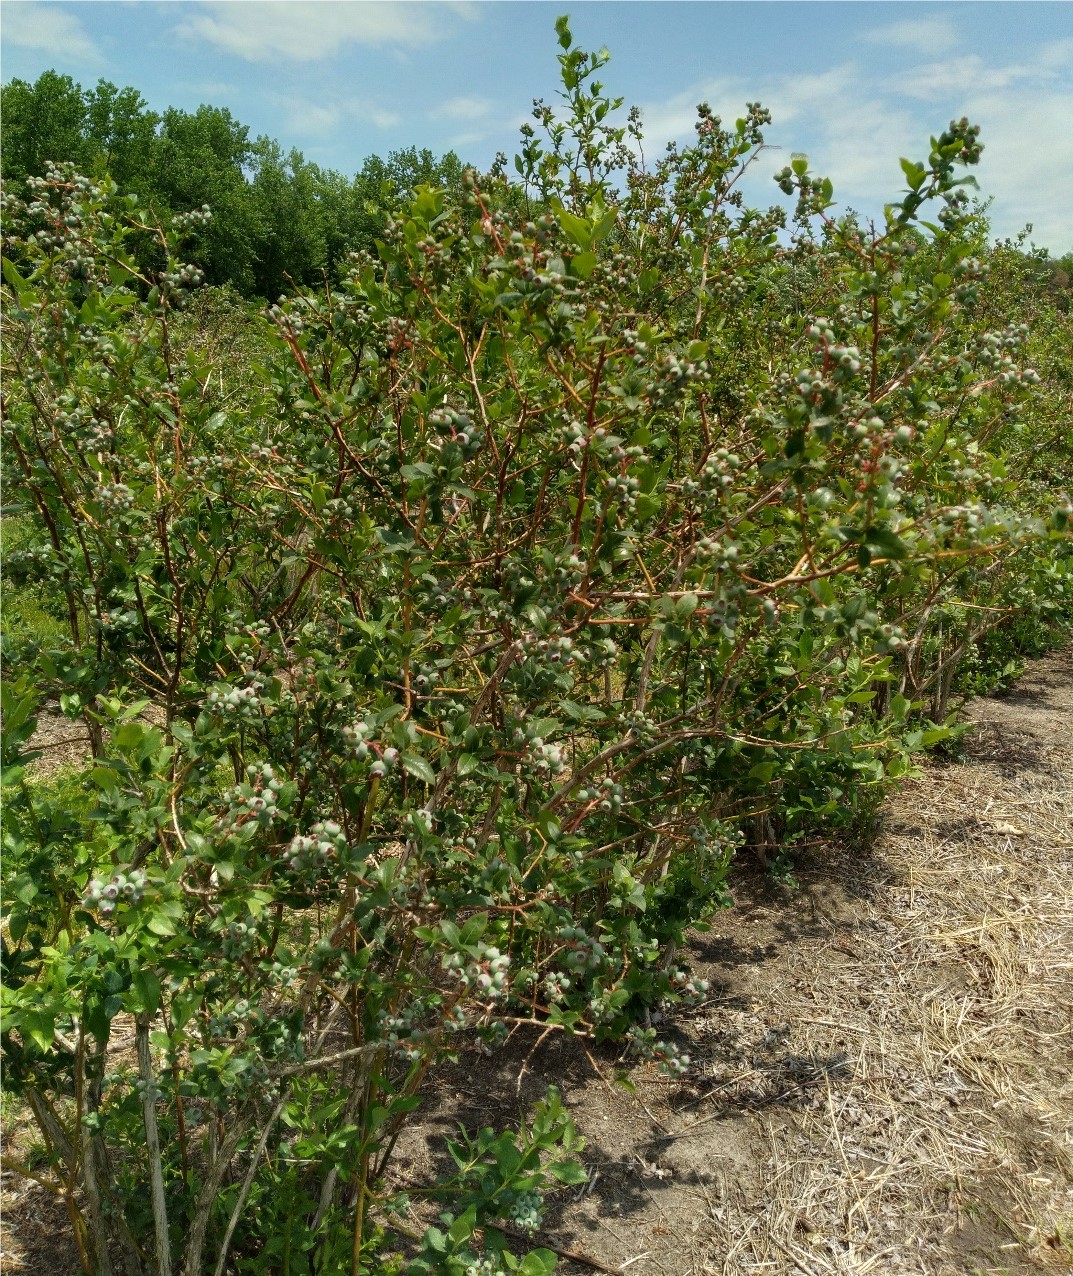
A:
[(952, 1148)]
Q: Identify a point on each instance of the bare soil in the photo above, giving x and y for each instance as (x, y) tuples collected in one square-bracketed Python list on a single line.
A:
[(881, 1078)]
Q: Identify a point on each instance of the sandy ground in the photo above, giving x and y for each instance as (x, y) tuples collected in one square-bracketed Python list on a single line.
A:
[(882, 1078)]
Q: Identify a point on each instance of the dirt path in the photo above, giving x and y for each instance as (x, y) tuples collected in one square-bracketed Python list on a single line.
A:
[(883, 1081)]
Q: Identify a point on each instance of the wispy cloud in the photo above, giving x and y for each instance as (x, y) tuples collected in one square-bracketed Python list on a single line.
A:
[(467, 109), (958, 77), (855, 124), (307, 118), (1029, 171), (298, 31), (1057, 55), (51, 30), (934, 34)]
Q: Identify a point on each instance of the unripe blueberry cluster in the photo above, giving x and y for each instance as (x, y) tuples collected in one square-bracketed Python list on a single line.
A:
[(568, 571), (846, 360), (643, 1044), (289, 323), (606, 797), (257, 799), (241, 703), (118, 621), (183, 278), (867, 428), (388, 761), (357, 735), (425, 679), (583, 953), (90, 432), (719, 554), (995, 351), (555, 650), (115, 497), (239, 938), (814, 387), (485, 975), (402, 1034), (455, 426), (624, 489), (119, 888), (888, 638), (721, 465), (281, 974), (419, 823), (196, 219), (324, 842), (527, 1211), (672, 1061), (641, 725), (688, 987), (573, 436), (489, 1266), (546, 758), (604, 651), (556, 985)]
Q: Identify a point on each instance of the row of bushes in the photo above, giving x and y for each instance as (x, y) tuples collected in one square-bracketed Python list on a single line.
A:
[(437, 668)]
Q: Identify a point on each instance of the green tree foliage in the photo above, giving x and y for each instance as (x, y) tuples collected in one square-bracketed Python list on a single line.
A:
[(278, 220)]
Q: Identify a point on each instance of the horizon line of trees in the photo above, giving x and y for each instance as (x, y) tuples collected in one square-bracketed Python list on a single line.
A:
[(278, 219)]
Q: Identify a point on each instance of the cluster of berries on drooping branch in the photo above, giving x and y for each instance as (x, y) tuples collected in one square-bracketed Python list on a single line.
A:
[(121, 888)]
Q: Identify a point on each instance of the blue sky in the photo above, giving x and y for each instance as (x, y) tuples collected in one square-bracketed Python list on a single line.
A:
[(854, 85)]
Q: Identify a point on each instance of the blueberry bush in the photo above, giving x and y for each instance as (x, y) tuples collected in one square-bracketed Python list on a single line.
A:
[(437, 661)]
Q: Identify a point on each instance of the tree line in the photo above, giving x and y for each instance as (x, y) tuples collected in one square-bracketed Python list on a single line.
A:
[(278, 219)]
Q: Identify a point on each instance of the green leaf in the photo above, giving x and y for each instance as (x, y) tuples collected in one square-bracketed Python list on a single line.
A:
[(147, 986), (417, 766), (435, 1240), (604, 225), (885, 543), (467, 763), (160, 924), (577, 229), (39, 1026), (463, 1226), (583, 264), (914, 173), (538, 1262)]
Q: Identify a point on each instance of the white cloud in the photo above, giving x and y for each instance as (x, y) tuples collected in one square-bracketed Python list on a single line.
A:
[(300, 31), (1028, 170), (308, 118), (936, 81), (51, 30), (922, 35), (1057, 54), (854, 126), (463, 108)]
